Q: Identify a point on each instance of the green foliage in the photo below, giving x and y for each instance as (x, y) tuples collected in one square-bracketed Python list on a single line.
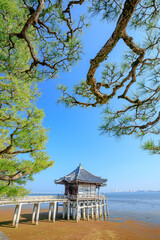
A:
[(50, 41), (128, 90), (22, 136), (108, 9), (146, 15), (37, 39), (152, 147)]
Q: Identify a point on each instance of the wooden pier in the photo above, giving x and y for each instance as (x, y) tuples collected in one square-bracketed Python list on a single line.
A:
[(85, 207)]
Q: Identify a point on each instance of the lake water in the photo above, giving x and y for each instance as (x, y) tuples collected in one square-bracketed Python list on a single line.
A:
[(141, 206)]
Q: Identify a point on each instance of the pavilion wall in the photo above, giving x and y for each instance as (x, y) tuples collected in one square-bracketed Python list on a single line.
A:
[(80, 189)]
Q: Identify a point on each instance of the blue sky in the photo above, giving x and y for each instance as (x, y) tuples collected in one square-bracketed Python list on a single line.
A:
[(74, 136)]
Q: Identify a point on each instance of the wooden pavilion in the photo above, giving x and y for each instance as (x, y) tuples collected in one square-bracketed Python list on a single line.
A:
[(82, 189)]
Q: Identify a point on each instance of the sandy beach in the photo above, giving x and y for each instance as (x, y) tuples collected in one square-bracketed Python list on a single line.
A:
[(70, 230)]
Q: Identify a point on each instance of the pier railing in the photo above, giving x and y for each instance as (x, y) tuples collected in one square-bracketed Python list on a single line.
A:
[(32, 199), (48, 198)]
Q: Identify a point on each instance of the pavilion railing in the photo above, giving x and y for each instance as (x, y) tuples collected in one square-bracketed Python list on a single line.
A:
[(87, 196)]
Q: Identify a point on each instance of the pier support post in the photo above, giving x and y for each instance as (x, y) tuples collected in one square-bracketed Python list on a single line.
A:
[(84, 211), (68, 210), (107, 209), (54, 211), (37, 214), (34, 212), (74, 211), (87, 210), (16, 215), (80, 211), (104, 211), (77, 215), (96, 215), (64, 210), (100, 208), (57, 208), (92, 210), (50, 211)]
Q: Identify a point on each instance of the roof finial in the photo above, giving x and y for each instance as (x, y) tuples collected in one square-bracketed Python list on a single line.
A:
[(80, 166)]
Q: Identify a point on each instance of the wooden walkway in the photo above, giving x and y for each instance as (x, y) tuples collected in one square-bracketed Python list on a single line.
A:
[(81, 206), (32, 199)]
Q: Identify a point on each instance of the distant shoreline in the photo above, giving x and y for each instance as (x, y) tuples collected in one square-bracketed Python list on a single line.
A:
[(139, 191)]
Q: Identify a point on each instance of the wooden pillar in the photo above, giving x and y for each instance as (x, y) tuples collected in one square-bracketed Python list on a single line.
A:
[(57, 208), (84, 211), (92, 210), (80, 211), (68, 210), (64, 210), (98, 191), (87, 210), (34, 212), (107, 209), (16, 215), (96, 203), (71, 209), (50, 211), (104, 211), (94, 207), (77, 215), (37, 214), (100, 208), (54, 211), (66, 206), (74, 211)]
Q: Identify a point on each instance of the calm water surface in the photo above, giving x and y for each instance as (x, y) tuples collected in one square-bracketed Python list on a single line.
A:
[(141, 206)]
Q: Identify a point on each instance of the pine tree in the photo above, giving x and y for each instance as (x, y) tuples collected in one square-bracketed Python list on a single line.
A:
[(34, 45)]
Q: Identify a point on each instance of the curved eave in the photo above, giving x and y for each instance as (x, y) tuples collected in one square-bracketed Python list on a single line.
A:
[(102, 183), (60, 181), (64, 181)]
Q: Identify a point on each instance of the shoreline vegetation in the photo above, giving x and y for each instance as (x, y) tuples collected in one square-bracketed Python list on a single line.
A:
[(117, 229)]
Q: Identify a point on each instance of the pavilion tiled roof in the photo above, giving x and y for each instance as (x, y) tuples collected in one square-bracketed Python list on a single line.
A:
[(82, 176)]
